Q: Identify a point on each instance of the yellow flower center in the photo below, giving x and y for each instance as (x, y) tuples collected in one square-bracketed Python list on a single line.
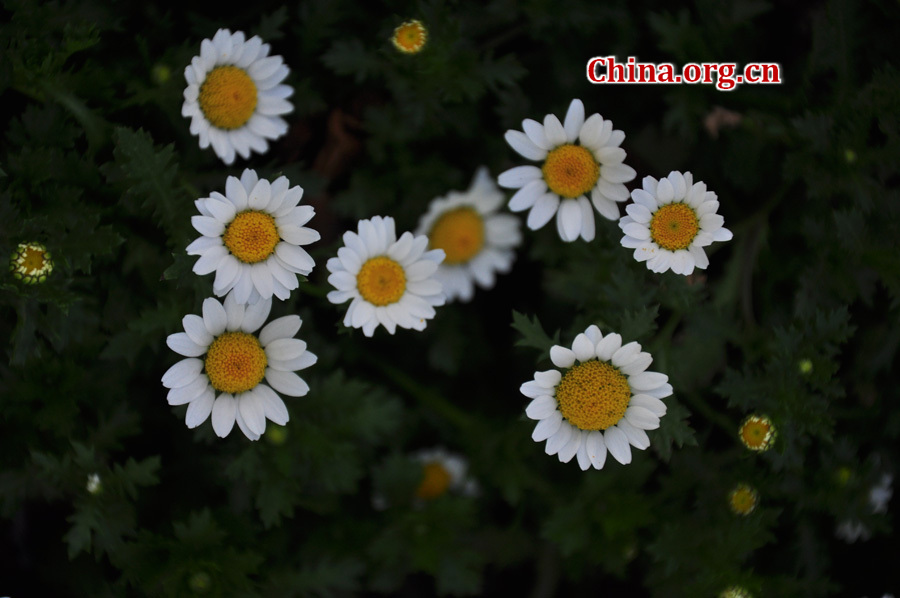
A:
[(228, 97), (571, 170), (252, 236), (33, 260), (674, 226), (593, 395), (460, 233), (410, 37), (235, 362), (31, 263), (435, 481), (757, 433), (381, 281), (743, 499)]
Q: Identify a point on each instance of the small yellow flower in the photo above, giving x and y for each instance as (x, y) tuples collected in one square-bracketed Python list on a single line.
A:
[(805, 366), (161, 74), (31, 263), (757, 432), (277, 436), (843, 475), (410, 37), (743, 499)]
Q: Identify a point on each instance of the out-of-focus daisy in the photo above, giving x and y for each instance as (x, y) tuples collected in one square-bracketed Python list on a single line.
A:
[(31, 263), (880, 494), (234, 95), (671, 221), (852, 530), (227, 363), (757, 432), (390, 281), (571, 172), (476, 240), (94, 485), (252, 237), (442, 472), (606, 401), (735, 592), (743, 499), (410, 37)]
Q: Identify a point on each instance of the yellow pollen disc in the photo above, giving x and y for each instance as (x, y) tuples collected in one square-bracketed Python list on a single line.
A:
[(410, 37), (674, 226), (33, 260), (235, 362), (381, 281), (571, 170), (228, 97), (593, 395), (252, 236), (757, 433), (743, 499), (435, 481), (460, 233), (31, 263)]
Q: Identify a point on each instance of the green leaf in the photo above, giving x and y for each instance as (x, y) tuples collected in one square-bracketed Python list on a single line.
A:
[(674, 430), (533, 334)]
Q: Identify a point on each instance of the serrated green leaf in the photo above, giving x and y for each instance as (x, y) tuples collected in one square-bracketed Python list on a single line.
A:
[(674, 430), (533, 334)]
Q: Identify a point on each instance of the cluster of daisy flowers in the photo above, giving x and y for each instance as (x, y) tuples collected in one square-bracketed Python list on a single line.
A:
[(252, 239), (669, 221), (601, 400), (390, 281)]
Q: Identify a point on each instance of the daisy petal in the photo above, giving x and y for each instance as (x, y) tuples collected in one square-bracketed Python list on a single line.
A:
[(596, 449), (287, 383), (618, 445), (574, 120), (181, 343), (199, 409), (562, 357), (544, 209), (524, 146), (223, 415), (583, 348), (182, 373)]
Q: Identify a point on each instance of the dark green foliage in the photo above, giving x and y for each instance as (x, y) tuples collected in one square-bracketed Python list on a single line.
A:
[(105, 492)]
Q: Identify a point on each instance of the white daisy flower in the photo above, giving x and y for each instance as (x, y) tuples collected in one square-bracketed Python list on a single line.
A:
[(606, 402), (570, 173), (476, 240), (852, 530), (227, 363), (442, 472), (880, 494), (671, 221), (390, 281), (252, 237), (234, 95)]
